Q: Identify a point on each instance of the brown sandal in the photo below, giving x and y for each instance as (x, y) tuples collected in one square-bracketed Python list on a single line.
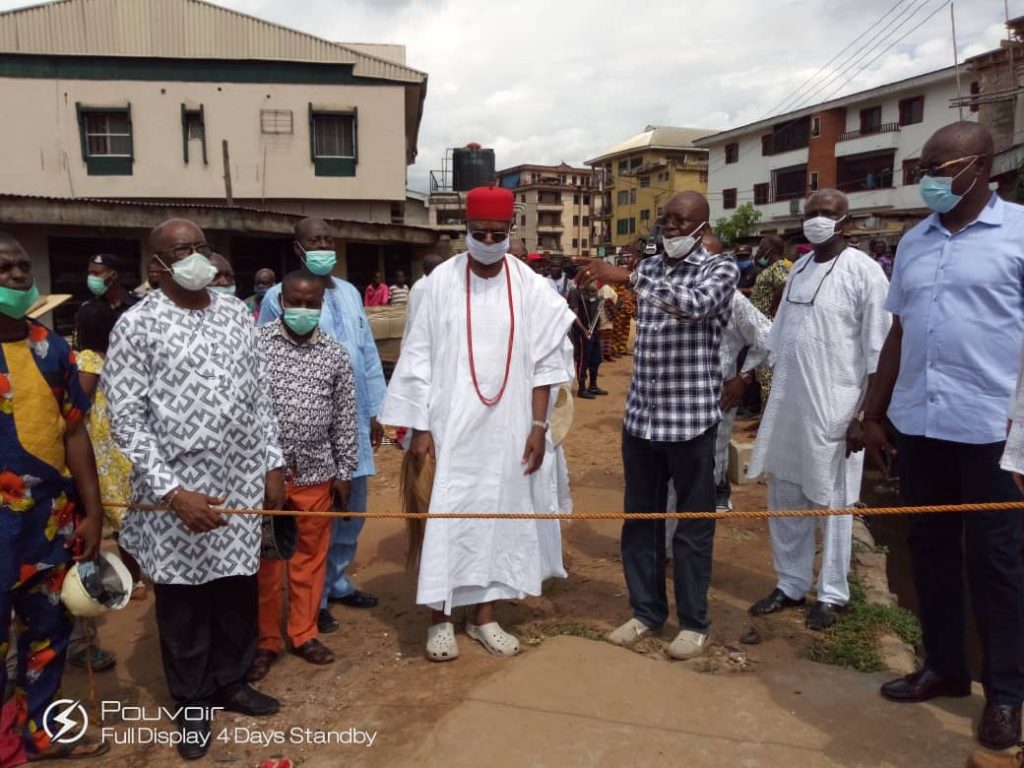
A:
[(261, 664), (315, 652)]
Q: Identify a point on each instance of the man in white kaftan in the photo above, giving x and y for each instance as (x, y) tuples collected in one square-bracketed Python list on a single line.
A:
[(826, 339), (473, 397)]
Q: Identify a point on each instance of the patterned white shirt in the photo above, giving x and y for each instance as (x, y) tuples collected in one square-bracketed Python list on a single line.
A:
[(682, 310), (190, 407)]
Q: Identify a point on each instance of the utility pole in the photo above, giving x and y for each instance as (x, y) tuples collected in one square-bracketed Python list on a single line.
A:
[(956, 60), (227, 173)]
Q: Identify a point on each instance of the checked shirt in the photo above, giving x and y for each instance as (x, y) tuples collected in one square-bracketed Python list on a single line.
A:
[(682, 310)]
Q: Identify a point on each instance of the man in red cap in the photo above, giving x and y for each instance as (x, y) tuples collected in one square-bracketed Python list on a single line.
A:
[(474, 383)]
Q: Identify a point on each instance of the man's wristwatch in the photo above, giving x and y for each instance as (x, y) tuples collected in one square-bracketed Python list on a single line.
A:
[(542, 424)]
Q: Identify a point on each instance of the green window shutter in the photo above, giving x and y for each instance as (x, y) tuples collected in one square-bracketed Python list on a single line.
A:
[(184, 133)]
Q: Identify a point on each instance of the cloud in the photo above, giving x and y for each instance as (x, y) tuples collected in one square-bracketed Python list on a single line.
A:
[(549, 80)]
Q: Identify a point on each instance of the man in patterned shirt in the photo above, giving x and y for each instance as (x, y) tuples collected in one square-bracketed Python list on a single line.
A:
[(684, 299), (314, 391), (190, 407)]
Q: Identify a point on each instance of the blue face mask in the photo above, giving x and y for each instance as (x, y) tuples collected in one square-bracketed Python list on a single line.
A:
[(744, 264), (261, 290), (226, 290), (937, 192)]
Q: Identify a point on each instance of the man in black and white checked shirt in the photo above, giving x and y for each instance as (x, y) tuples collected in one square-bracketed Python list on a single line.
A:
[(684, 299)]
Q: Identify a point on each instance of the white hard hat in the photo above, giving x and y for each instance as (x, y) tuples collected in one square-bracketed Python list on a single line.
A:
[(93, 587)]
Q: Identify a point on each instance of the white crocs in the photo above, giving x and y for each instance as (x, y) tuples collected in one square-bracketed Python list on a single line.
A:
[(441, 644), (495, 639)]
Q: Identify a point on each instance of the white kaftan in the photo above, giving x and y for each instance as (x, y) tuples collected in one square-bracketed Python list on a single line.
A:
[(826, 339), (1013, 453), (823, 355), (479, 448)]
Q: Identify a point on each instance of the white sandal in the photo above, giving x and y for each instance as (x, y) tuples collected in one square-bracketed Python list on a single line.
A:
[(495, 639), (441, 644)]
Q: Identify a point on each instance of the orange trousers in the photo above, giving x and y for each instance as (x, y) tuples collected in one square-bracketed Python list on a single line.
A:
[(306, 571)]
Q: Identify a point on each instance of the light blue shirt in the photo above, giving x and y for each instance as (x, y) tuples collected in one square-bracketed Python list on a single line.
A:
[(344, 320), (960, 299)]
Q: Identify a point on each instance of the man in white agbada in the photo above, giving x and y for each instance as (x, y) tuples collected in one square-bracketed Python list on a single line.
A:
[(474, 383), (826, 339)]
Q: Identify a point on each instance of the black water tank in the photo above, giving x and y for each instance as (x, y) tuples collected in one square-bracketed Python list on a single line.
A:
[(472, 167)]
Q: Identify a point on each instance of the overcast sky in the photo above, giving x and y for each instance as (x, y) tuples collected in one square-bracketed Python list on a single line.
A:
[(543, 81)]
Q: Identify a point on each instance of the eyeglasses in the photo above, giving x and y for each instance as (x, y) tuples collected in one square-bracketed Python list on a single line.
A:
[(182, 250), (496, 235), (789, 283), (937, 169)]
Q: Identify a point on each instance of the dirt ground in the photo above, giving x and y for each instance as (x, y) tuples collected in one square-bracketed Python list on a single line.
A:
[(381, 681)]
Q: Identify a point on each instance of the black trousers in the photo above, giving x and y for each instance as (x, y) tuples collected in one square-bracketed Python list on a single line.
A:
[(592, 360), (208, 636), (649, 466), (943, 472)]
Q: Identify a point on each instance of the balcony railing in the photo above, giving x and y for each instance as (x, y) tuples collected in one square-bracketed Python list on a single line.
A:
[(883, 128)]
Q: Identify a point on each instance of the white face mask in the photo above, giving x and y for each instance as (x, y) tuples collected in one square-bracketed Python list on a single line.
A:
[(193, 273), (684, 245), (487, 254), (821, 229)]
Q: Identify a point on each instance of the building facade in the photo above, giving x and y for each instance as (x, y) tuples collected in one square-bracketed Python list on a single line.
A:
[(866, 145), (553, 207), (637, 177), (148, 108)]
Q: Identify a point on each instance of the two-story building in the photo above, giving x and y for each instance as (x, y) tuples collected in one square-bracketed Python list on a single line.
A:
[(639, 175), (867, 144), (124, 113), (553, 206)]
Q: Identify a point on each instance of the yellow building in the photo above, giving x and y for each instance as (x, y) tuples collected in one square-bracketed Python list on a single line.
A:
[(639, 175)]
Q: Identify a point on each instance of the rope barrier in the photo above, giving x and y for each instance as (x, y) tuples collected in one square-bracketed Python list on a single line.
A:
[(740, 514)]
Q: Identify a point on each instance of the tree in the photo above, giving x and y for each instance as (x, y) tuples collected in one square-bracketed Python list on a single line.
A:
[(743, 223)]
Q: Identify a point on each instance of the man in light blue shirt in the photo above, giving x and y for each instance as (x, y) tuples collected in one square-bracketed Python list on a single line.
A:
[(344, 320), (944, 382)]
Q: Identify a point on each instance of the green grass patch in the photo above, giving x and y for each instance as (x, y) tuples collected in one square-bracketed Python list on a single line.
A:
[(852, 641)]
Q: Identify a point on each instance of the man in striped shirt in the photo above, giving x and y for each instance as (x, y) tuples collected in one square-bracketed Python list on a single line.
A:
[(399, 292)]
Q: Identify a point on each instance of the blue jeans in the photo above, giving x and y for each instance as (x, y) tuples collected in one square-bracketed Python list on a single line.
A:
[(344, 534)]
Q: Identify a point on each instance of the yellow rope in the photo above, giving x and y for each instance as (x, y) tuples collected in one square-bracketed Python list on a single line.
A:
[(741, 514)]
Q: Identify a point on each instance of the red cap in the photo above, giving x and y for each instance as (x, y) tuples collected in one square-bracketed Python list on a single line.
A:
[(803, 250), (532, 257), (490, 204)]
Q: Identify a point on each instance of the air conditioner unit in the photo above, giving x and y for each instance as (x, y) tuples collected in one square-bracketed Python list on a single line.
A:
[(794, 207)]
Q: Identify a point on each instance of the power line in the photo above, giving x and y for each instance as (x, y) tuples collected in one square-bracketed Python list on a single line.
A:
[(902, 19), (780, 106), (914, 10), (890, 46)]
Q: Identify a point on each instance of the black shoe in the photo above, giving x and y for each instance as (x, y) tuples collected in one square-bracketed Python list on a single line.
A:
[(586, 394), (195, 737), (822, 616), (775, 602), (325, 623), (924, 685), (357, 599), (597, 391), (1000, 726), (248, 701)]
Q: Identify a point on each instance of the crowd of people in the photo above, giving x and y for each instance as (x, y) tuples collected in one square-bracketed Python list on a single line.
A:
[(182, 396)]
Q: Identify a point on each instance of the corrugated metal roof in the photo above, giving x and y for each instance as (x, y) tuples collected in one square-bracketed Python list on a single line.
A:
[(176, 29), (656, 137)]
